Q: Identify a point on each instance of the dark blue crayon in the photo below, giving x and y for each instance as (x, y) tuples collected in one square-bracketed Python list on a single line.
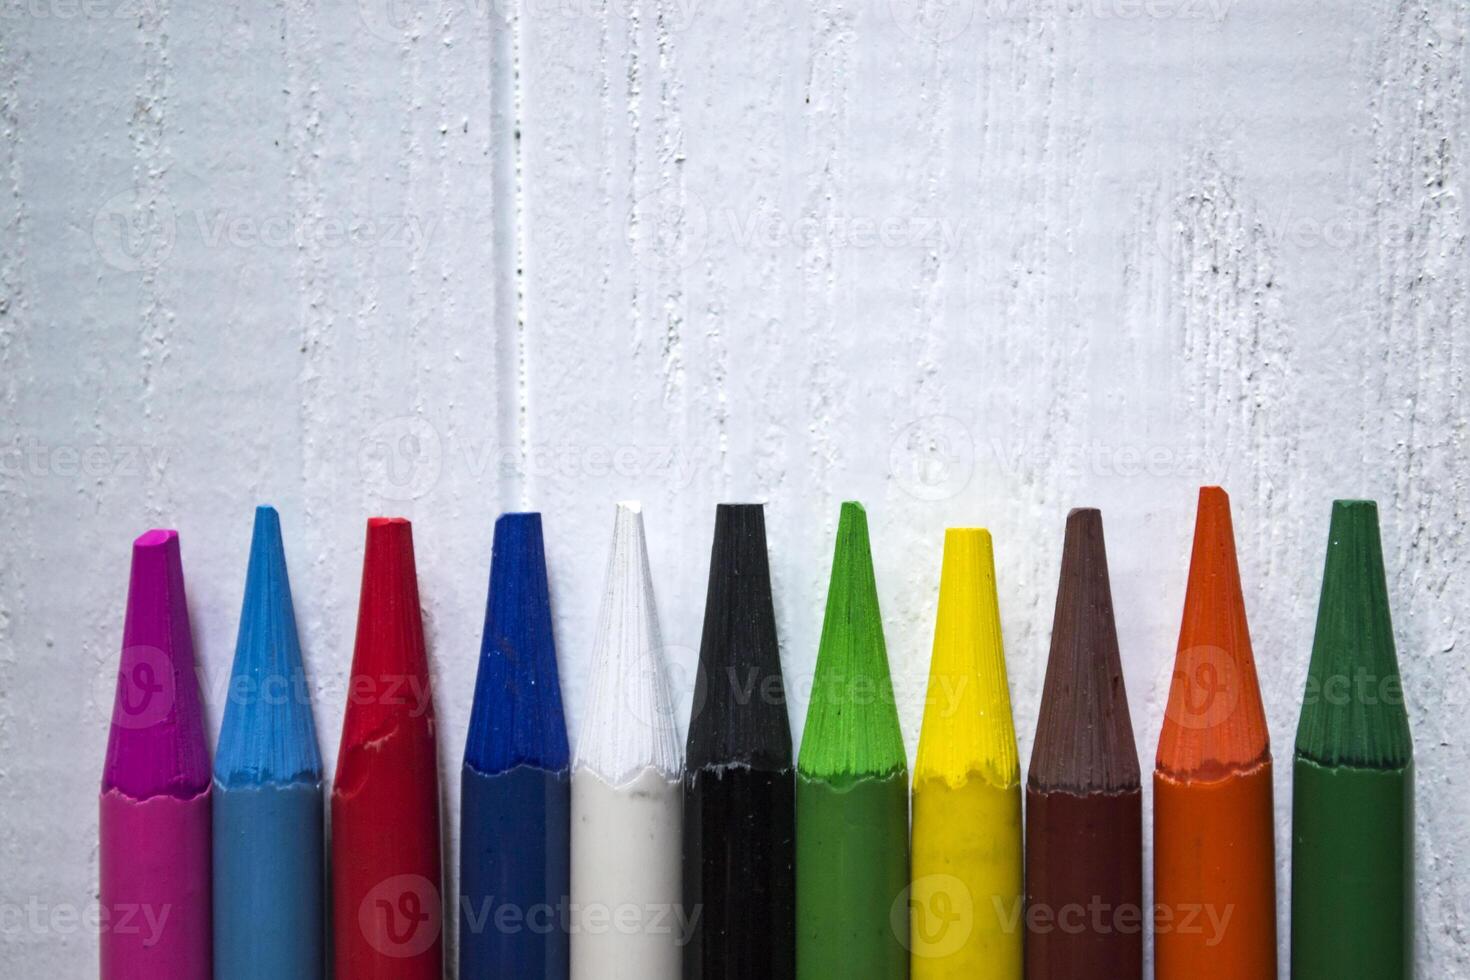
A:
[(515, 784)]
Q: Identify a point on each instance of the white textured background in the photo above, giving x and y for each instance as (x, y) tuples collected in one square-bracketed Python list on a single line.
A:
[(977, 262)]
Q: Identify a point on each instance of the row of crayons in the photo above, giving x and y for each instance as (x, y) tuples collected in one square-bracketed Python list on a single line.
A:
[(731, 859)]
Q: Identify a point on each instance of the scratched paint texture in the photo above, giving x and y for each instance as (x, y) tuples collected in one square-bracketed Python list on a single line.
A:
[(974, 261)]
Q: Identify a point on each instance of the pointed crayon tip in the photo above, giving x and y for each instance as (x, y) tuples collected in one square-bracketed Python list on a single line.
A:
[(1215, 722), (517, 714), (268, 735), (390, 623), (1353, 712), (852, 721), (156, 745), (390, 685), (739, 714), (1084, 735), (968, 729), (630, 724)]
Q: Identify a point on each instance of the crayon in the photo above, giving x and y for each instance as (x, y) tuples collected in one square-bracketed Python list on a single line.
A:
[(1084, 801), (739, 783), (967, 877), (852, 819), (1214, 825), (515, 784), (268, 804), (387, 896), (627, 785), (1352, 857), (155, 806)]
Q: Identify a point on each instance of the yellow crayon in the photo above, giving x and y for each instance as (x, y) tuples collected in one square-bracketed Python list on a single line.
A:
[(966, 901)]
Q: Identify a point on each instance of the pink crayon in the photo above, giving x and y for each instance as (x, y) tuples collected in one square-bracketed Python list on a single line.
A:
[(155, 805)]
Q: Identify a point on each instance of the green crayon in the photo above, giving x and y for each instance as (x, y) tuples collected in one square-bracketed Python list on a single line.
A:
[(1352, 860)]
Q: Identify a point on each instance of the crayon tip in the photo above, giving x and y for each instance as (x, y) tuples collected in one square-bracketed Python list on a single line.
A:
[(630, 723), (1084, 735), (1215, 722), (156, 744), (517, 718), (390, 685), (268, 735), (852, 721), (968, 730), (1353, 712), (739, 714)]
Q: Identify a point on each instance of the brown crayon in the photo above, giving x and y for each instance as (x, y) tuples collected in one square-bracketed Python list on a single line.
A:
[(1084, 802)]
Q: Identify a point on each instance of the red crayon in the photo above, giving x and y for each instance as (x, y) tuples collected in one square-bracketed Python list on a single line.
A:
[(387, 909)]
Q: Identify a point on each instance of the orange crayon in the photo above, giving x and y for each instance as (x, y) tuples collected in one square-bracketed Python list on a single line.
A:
[(1214, 832)]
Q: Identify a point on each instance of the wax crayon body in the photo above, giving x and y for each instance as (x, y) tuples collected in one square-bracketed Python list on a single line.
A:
[(739, 867), (967, 893), (514, 873), (1215, 878), (387, 904), (625, 855), (852, 865), (1084, 885), (1352, 867), (154, 887), (268, 881)]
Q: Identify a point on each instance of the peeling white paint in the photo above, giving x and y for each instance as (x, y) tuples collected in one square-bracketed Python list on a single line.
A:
[(971, 262)]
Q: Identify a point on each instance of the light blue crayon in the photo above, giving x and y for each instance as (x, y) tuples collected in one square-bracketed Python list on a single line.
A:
[(268, 816)]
